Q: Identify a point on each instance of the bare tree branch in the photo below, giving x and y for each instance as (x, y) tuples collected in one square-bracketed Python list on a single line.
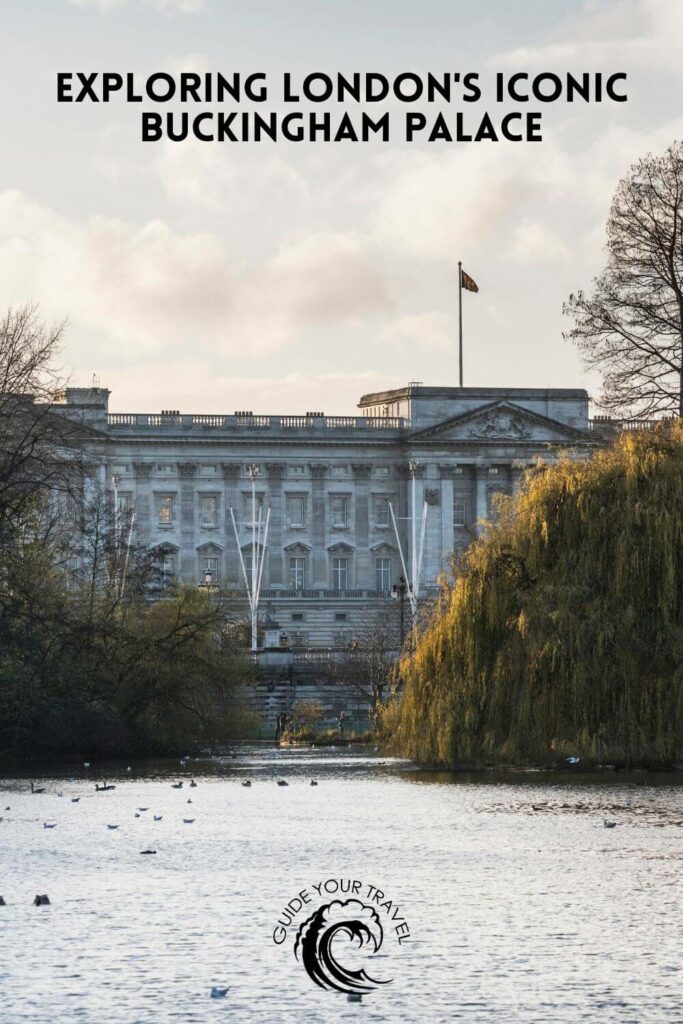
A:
[(631, 327)]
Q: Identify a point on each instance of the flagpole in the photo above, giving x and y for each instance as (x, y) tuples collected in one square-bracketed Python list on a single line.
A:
[(460, 316)]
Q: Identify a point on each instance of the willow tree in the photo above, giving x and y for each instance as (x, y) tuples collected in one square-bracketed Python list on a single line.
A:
[(563, 635), (630, 328)]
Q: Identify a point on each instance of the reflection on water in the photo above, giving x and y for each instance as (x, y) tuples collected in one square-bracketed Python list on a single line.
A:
[(522, 906)]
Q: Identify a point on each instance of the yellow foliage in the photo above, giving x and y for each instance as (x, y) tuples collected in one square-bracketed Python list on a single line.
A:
[(563, 633)]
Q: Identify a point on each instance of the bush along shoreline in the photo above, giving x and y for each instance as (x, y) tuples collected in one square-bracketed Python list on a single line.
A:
[(562, 634)]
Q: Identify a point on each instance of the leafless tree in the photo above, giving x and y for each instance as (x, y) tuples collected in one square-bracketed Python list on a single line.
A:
[(368, 666), (37, 446), (631, 327)]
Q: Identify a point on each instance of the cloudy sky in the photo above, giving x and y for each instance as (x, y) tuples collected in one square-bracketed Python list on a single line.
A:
[(284, 277)]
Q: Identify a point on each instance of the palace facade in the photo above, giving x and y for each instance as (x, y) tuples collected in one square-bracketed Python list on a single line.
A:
[(332, 555)]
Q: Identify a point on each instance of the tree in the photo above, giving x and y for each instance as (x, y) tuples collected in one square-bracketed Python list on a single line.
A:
[(305, 716), (563, 634), (35, 443), (631, 327), (369, 665), (88, 661)]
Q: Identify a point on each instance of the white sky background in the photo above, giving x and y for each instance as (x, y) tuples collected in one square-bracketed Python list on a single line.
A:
[(285, 277)]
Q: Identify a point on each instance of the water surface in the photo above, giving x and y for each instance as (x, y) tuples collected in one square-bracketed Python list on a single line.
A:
[(521, 905)]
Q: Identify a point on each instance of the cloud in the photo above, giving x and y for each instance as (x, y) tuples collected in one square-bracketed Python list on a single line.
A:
[(181, 6), (533, 242), (626, 33), (196, 175), (154, 387), (423, 330), (151, 289)]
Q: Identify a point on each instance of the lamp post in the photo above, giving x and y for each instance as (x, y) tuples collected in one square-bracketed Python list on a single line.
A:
[(398, 592)]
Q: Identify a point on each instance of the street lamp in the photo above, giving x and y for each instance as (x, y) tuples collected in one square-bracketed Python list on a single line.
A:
[(398, 592)]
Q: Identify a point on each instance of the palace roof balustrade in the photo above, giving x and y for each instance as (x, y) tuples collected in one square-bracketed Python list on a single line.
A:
[(125, 423)]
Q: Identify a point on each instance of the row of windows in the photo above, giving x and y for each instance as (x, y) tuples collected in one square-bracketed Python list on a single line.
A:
[(211, 469), (339, 571), (297, 568), (296, 509)]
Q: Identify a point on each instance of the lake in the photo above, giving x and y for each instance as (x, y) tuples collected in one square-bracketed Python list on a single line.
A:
[(520, 904)]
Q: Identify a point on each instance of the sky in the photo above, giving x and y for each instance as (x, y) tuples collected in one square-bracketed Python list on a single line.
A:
[(283, 277)]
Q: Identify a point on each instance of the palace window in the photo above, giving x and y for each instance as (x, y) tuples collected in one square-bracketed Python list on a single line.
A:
[(340, 573), (208, 469), (166, 509), (340, 511), (168, 566), (459, 511), (164, 468), (210, 564), (382, 516), (296, 510), (209, 510), (383, 574), (297, 572), (298, 638)]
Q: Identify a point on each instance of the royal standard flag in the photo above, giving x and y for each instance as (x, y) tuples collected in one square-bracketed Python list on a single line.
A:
[(468, 283)]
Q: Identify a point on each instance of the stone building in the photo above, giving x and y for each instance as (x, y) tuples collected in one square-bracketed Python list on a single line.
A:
[(332, 555)]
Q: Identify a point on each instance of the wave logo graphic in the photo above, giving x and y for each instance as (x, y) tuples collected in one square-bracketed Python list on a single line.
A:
[(352, 920)]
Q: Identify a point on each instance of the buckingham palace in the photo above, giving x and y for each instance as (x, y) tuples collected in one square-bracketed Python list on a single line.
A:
[(338, 489)]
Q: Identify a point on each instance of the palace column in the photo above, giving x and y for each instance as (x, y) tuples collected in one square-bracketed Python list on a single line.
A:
[(231, 475), (143, 500), (363, 569), (517, 476), (188, 500), (481, 494), (320, 580), (275, 559), (447, 494)]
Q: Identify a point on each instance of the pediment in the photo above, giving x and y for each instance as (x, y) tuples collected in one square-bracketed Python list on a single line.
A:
[(501, 422), (383, 549), (210, 548), (165, 548), (340, 549), (298, 548)]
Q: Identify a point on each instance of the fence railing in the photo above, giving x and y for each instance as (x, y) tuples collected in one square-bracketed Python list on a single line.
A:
[(600, 424), (248, 421)]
